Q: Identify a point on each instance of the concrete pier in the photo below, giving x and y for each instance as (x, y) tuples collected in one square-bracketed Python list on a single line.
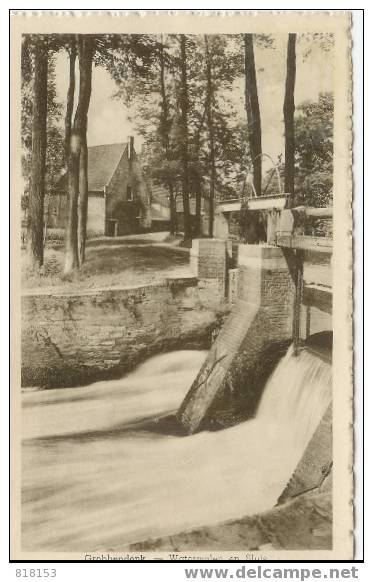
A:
[(209, 262)]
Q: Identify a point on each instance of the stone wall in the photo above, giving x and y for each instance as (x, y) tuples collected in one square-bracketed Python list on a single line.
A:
[(75, 339)]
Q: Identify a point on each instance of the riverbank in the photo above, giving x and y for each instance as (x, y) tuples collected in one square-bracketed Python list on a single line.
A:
[(304, 522)]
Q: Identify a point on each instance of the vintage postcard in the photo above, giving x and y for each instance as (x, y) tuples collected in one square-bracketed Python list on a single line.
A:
[(181, 286)]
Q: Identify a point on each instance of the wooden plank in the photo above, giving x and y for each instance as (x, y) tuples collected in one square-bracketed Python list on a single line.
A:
[(307, 243), (314, 212), (259, 203), (297, 300), (318, 296)]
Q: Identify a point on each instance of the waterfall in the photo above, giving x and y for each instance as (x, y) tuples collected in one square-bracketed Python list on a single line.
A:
[(296, 396), (92, 480)]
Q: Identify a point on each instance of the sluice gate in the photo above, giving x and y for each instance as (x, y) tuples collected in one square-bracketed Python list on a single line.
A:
[(273, 308)]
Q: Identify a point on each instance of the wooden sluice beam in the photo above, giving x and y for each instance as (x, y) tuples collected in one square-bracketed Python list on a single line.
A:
[(318, 296), (294, 245), (289, 232), (310, 212), (319, 244), (298, 278)]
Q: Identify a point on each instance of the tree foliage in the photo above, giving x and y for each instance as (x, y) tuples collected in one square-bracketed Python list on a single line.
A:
[(314, 151), (182, 94), (142, 93)]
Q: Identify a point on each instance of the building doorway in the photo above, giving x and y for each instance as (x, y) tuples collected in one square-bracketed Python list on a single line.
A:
[(112, 229)]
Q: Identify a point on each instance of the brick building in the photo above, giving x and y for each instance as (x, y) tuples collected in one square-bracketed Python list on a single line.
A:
[(119, 197)]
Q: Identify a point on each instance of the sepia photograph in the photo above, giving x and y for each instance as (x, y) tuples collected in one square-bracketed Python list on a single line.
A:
[(182, 326)]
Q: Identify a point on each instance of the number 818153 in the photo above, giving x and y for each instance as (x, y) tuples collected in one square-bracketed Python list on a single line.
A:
[(36, 573)]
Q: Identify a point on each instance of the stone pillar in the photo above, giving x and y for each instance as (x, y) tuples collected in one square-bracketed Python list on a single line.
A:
[(252, 340), (209, 263), (264, 281)]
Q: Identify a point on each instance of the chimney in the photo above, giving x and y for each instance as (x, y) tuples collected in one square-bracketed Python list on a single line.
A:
[(130, 146)]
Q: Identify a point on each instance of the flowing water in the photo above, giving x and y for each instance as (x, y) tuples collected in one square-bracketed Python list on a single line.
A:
[(99, 472)]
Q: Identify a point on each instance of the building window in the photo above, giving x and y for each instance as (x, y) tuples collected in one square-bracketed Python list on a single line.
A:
[(129, 194)]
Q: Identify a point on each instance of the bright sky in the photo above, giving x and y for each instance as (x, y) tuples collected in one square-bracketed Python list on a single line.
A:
[(108, 121)]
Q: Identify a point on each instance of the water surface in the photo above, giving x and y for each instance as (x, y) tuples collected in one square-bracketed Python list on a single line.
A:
[(100, 472)]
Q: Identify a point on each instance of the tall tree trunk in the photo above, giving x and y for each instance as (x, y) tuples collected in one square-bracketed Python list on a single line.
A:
[(164, 121), (197, 231), (253, 113), (173, 215), (35, 248), (83, 200), (71, 232), (289, 119), (165, 138), (85, 89), (199, 177), (70, 96), (46, 216), (210, 126), (77, 177), (184, 105)]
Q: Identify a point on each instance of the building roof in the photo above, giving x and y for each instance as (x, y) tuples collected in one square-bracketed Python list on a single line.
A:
[(102, 162)]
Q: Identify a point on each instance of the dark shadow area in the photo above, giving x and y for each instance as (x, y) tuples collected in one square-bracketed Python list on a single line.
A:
[(239, 401), (321, 345), (115, 241), (147, 427)]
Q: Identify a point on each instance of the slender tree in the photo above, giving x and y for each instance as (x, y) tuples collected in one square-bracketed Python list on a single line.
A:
[(70, 94), (77, 175), (55, 158), (211, 132), (86, 49), (164, 130), (253, 113), (35, 250), (184, 106), (250, 221), (289, 118), (83, 199)]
